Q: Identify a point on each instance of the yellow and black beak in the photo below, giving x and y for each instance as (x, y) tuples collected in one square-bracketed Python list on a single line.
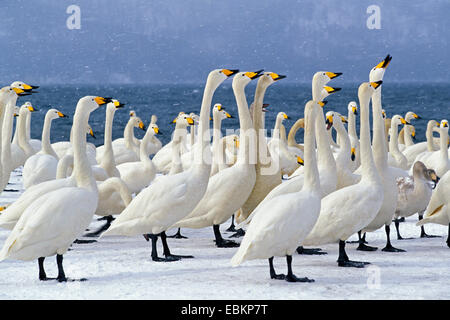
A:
[(118, 104), (61, 115), (156, 129), (413, 135), (434, 177), (276, 77), (91, 133), (31, 108), (190, 121), (375, 85), (353, 154), (383, 114), (329, 122), (285, 116), (219, 107), (21, 92), (383, 64), (322, 103), (228, 115), (254, 75), (28, 89), (142, 126), (403, 121), (333, 75), (300, 161), (355, 111), (236, 143), (101, 101), (16, 114), (445, 124), (331, 90), (229, 72), (344, 119), (416, 116)]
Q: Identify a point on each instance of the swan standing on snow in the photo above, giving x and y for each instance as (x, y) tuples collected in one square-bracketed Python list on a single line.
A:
[(349, 209), (236, 182), (414, 194), (42, 166), (51, 222), (171, 198), (283, 222)]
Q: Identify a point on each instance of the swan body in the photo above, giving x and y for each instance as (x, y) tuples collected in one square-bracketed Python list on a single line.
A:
[(413, 151), (398, 158)]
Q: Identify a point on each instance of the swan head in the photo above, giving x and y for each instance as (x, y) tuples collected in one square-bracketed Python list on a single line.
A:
[(217, 76), (444, 124), (241, 79), (29, 106), (89, 131), (55, 114), (320, 79), (377, 72), (366, 89), (220, 113), (23, 89), (397, 120), (411, 115), (138, 123), (183, 120), (422, 172), (353, 108), (267, 78), (231, 143), (91, 103), (325, 92), (333, 117), (16, 111), (153, 127), (282, 116)]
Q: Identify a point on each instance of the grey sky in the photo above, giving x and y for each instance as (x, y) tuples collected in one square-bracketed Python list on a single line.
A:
[(141, 41)]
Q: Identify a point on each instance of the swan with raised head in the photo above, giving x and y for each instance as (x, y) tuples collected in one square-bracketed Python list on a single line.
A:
[(283, 222), (171, 198), (52, 221), (349, 209)]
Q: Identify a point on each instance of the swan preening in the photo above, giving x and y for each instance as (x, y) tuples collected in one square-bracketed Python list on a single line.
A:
[(285, 194)]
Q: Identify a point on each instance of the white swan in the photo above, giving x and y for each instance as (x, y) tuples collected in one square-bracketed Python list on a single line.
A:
[(283, 222), (354, 140), (438, 210), (21, 151), (438, 160), (414, 194), (349, 209), (219, 114), (413, 151), (397, 158), (154, 145), (171, 198), (52, 221), (138, 175), (235, 183), (42, 166)]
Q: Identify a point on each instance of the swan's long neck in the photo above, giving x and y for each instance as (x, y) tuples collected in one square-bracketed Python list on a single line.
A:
[(116, 184), (128, 135), (7, 130), (108, 161), (177, 140), (63, 165), (393, 141), (344, 150), (143, 153), (277, 127), (379, 138), (443, 142), (202, 156), (28, 126), (431, 146), (46, 146), (15, 139), (217, 150), (369, 171), (23, 142), (324, 153), (311, 171), (246, 136), (300, 123), (82, 168), (192, 135), (352, 125), (407, 135)]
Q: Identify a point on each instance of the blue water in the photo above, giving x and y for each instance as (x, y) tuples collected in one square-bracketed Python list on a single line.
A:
[(430, 101)]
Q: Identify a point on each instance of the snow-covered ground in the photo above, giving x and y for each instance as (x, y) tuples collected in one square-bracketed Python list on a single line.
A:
[(121, 268)]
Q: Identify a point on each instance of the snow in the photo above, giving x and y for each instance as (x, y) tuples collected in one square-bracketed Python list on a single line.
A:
[(121, 268)]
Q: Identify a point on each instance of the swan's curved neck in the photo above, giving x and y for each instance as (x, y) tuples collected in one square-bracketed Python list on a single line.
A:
[(431, 146), (128, 135), (28, 126), (379, 138), (46, 146), (443, 141), (393, 141), (352, 125), (177, 140), (63, 165), (300, 123), (23, 142), (15, 139), (276, 128), (344, 150), (407, 136), (143, 153), (7, 125)]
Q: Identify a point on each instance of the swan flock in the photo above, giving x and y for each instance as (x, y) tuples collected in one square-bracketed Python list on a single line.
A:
[(285, 196)]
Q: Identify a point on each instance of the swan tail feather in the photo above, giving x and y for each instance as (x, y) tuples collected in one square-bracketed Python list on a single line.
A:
[(194, 223)]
